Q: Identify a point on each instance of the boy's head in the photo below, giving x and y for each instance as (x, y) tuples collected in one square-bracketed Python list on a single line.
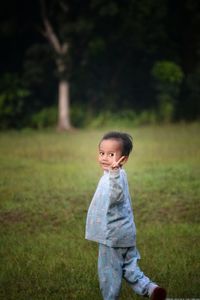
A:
[(112, 146)]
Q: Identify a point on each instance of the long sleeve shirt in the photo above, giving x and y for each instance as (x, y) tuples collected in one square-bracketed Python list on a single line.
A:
[(110, 218)]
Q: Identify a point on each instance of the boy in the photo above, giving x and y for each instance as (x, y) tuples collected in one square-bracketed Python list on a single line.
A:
[(110, 223)]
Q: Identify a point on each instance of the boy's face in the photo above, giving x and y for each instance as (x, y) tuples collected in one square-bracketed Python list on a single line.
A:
[(109, 152)]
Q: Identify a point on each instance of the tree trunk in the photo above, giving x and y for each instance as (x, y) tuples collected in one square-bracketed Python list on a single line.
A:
[(63, 106), (61, 51)]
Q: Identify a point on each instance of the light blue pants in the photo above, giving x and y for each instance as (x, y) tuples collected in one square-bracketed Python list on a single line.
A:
[(117, 263)]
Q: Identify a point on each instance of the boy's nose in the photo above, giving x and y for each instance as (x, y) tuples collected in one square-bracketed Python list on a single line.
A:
[(104, 158)]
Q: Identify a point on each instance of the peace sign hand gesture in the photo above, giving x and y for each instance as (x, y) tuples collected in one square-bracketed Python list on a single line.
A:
[(117, 164)]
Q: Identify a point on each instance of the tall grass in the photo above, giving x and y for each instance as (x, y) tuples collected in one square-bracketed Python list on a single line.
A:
[(46, 184)]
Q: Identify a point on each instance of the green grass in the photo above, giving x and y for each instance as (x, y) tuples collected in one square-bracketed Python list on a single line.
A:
[(46, 184)]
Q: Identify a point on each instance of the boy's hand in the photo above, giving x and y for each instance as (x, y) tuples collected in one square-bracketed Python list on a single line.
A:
[(117, 164)]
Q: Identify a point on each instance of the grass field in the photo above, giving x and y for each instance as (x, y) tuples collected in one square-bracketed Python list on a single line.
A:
[(46, 184)]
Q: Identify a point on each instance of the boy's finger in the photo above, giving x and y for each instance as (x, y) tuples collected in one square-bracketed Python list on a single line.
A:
[(120, 160)]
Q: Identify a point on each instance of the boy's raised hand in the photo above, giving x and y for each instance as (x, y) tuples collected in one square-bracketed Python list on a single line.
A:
[(117, 164)]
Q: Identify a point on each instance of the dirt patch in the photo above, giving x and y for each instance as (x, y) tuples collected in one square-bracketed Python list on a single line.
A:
[(12, 217), (31, 222)]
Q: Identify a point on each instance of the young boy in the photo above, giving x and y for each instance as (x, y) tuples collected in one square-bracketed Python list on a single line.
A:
[(110, 223)]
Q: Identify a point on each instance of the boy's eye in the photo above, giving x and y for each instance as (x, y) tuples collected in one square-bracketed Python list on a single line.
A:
[(101, 153), (111, 154)]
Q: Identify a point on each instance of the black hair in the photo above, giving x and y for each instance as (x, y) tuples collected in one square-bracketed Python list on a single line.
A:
[(124, 138)]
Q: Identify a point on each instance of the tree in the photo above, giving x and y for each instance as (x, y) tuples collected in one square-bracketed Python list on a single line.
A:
[(60, 54), (168, 76)]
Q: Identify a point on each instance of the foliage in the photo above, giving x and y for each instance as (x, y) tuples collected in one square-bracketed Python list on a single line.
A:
[(166, 108), (79, 115), (123, 118), (13, 97), (112, 46), (167, 73), (46, 117), (94, 50), (168, 76)]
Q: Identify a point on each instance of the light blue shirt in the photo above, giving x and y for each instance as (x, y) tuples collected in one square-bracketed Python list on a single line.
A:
[(110, 218)]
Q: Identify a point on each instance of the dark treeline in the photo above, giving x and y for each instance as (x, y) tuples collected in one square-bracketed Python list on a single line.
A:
[(133, 59)]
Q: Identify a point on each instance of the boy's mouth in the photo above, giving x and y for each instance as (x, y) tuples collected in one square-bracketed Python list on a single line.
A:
[(104, 165)]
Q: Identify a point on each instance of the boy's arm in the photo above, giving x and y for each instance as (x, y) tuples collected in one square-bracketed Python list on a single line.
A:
[(116, 193), (115, 185)]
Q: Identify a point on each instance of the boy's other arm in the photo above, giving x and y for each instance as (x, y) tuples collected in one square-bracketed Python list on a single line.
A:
[(116, 188), (116, 194)]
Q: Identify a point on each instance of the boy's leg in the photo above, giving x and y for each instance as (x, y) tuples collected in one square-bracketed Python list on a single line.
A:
[(140, 283), (110, 263)]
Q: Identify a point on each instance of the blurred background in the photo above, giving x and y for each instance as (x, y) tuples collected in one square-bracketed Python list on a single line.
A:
[(71, 63)]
